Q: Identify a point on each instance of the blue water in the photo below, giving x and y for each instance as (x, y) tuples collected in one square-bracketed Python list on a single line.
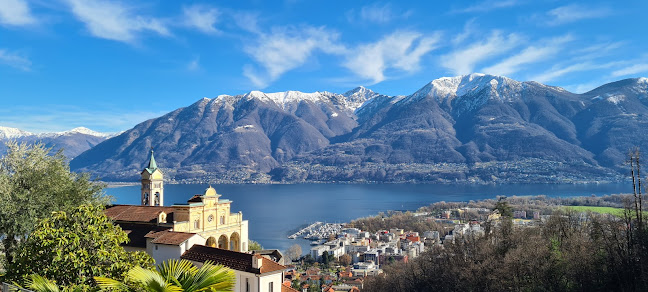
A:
[(274, 211)]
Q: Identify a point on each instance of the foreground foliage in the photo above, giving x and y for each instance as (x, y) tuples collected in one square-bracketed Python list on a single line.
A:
[(173, 275), (33, 184), (72, 248)]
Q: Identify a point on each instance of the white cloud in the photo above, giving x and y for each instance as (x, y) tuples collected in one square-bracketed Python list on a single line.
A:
[(14, 60), (15, 13), (529, 55), (468, 30), (400, 50), (114, 21), (463, 61), (573, 13), (285, 49), (488, 6), (248, 21), (631, 70), (377, 13), (558, 71), (202, 18)]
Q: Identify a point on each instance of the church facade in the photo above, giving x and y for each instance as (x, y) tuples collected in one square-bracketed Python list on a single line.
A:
[(151, 224)]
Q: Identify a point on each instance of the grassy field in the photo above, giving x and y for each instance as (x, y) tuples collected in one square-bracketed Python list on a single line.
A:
[(602, 210)]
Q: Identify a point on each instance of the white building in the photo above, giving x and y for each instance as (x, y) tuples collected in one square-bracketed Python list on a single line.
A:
[(165, 245)]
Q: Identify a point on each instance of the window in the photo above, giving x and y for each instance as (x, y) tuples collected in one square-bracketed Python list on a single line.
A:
[(156, 247), (222, 219), (197, 224), (270, 287), (247, 285)]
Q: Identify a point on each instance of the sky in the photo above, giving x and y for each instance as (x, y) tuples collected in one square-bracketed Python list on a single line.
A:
[(109, 65)]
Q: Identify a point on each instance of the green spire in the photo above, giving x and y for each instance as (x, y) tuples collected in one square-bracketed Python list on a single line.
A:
[(152, 165)]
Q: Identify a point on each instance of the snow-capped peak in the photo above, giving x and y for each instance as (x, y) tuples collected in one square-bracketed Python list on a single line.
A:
[(447, 88), (288, 100), (86, 131), (12, 133)]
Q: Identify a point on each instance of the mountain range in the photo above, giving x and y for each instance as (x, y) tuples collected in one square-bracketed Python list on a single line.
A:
[(72, 142), (471, 128)]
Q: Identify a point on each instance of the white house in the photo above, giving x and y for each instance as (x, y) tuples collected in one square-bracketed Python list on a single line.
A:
[(165, 245), (254, 273)]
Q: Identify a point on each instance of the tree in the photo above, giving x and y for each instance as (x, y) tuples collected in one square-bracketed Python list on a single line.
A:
[(174, 275), (72, 248), (33, 184), (325, 258), (294, 252), (503, 207), (345, 260), (253, 245)]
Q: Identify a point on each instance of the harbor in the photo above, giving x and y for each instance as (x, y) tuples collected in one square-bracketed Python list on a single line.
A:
[(317, 231)]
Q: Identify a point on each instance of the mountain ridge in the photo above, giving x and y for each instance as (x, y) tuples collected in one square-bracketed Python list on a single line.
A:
[(481, 123), (72, 142)]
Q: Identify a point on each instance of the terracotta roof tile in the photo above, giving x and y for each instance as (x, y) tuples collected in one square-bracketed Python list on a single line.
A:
[(132, 213), (169, 237), (269, 266), (231, 259), (285, 288)]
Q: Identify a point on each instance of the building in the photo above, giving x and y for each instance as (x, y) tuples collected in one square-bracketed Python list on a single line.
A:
[(166, 245), (254, 273), (152, 184), (207, 215)]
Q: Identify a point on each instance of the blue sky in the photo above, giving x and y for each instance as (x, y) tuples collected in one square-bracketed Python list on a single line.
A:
[(108, 65)]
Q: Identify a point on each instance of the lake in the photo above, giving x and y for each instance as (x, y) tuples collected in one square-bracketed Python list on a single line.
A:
[(275, 211)]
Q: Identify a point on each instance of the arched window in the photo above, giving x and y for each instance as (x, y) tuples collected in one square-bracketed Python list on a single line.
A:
[(197, 224)]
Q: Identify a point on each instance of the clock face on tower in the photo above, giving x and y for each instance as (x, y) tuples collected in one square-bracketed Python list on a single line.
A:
[(210, 218)]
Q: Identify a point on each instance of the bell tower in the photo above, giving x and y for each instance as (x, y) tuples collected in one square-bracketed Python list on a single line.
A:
[(152, 184)]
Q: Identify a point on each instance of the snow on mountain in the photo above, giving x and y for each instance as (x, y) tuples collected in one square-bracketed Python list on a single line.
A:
[(288, 100), (77, 130), (12, 133), (445, 89)]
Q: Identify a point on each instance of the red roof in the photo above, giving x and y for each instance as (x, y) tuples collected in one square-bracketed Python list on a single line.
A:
[(134, 213), (285, 288), (169, 237), (232, 259)]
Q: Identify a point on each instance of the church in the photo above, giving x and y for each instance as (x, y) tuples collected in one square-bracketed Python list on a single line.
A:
[(204, 219), (202, 229)]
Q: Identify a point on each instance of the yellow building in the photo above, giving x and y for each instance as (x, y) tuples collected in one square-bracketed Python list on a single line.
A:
[(210, 216), (152, 184), (206, 215)]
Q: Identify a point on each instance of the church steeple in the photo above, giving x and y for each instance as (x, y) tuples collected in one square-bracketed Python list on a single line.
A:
[(152, 184), (152, 165)]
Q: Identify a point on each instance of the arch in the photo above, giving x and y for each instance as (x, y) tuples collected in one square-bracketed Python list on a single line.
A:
[(157, 199), (211, 242), (235, 242), (223, 242)]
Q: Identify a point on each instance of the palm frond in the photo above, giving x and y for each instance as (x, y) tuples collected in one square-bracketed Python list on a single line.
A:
[(41, 284), (110, 284), (152, 280)]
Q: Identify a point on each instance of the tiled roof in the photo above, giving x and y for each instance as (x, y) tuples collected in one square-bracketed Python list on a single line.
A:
[(136, 233), (169, 237), (133, 213), (231, 259), (285, 288)]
